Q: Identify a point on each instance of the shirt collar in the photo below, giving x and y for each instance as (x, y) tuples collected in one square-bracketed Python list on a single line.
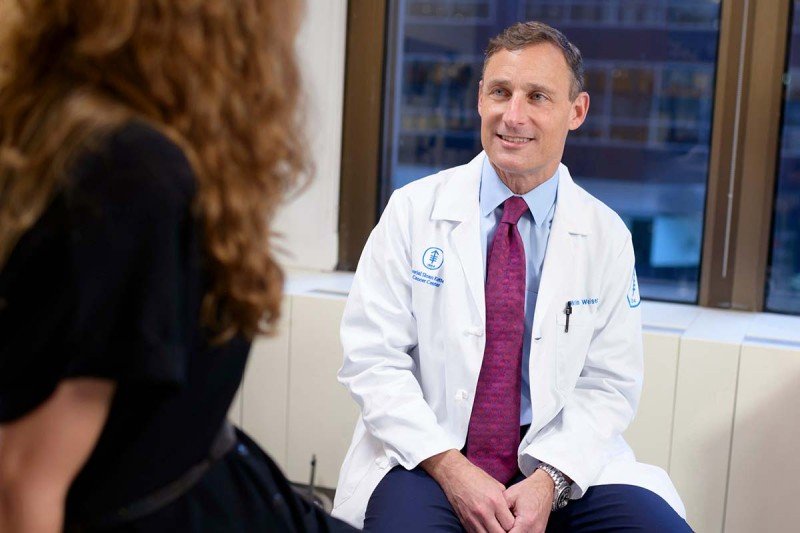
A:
[(494, 192)]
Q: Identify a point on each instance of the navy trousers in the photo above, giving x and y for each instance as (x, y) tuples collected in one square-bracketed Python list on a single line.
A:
[(406, 501)]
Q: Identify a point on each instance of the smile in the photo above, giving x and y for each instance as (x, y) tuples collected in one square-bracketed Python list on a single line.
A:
[(515, 140)]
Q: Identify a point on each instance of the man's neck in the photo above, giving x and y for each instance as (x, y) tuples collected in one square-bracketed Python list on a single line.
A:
[(524, 183)]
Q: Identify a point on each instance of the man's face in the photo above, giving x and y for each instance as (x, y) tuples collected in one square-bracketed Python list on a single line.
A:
[(526, 111)]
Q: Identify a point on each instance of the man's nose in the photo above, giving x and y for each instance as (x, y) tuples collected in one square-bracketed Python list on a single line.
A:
[(515, 112)]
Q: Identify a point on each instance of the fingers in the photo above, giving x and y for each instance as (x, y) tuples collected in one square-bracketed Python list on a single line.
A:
[(510, 499), (487, 517), (500, 510), (495, 528), (478, 500), (474, 525), (505, 517), (526, 526)]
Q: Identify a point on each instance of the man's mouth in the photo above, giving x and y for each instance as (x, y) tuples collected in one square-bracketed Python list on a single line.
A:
[(515, 140)]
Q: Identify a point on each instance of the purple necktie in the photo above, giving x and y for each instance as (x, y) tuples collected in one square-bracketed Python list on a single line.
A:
[(493, 436)]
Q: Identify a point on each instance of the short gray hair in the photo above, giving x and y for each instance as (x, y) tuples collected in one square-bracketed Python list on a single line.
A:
[(524, 34)]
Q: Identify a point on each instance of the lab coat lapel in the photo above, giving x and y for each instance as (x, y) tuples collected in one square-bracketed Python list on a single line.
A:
[(458, 201), (559, 259), (557, 272), (467, 244)]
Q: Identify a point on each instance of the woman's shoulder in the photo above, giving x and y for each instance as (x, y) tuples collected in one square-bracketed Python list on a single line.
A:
[(135, 163)]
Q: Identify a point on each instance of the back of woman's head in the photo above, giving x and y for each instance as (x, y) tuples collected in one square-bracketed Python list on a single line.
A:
[(219, 77)]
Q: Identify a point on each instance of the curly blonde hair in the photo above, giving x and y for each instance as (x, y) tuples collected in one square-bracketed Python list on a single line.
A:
[(219, 77)]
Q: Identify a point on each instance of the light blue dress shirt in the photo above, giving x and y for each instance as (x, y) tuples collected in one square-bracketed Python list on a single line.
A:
[(534, 228)]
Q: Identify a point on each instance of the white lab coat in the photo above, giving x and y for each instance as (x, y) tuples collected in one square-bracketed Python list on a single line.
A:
[(413, 341)]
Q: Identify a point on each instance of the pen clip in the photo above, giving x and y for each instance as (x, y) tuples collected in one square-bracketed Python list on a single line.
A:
[(567, 311)]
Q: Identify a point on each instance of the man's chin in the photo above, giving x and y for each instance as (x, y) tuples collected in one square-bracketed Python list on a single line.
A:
[(510, 163)]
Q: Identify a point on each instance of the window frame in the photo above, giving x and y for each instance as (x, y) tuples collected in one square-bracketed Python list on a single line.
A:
[(361, 127), (744, 153)]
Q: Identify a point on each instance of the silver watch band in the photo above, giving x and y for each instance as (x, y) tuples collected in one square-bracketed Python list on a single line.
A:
[(561, 489)]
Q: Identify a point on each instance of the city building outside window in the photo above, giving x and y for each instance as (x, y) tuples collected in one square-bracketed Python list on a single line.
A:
[(783, 277)]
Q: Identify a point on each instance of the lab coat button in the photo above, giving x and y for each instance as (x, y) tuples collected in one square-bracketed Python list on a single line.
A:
[(461, 394)]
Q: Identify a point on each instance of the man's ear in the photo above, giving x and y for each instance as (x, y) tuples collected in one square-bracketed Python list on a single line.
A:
[(580, 107)]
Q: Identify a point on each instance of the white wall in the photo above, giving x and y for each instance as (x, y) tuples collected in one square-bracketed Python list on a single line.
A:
[(309, 222)]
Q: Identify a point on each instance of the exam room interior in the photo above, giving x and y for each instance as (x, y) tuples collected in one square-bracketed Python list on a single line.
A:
[(720, 386), (721, 393)]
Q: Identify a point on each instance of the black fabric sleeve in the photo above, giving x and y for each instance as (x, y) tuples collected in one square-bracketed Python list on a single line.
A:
[(35, 305), (133, 241), (100, 286)]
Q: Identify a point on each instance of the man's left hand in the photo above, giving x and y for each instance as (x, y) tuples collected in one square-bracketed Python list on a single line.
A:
[(530, 501)]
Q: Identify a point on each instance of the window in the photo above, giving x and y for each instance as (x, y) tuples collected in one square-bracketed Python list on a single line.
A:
[(644, 149), (690, 137), (783, 278)]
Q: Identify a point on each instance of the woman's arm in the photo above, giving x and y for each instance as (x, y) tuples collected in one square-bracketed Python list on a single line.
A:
[(41, 453)]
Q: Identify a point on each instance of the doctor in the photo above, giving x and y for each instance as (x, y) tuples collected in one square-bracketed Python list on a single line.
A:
[(492, 337)]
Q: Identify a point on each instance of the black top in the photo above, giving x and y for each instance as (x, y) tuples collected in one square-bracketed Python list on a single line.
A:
[(108, 283)]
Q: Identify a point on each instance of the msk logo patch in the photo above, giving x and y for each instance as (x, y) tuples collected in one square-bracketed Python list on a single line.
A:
[(433, 258)]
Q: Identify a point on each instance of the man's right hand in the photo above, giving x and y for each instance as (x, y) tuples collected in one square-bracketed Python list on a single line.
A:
[(476, 497)]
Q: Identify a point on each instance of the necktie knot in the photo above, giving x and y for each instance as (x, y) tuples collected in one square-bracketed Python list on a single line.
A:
[(513, 208)]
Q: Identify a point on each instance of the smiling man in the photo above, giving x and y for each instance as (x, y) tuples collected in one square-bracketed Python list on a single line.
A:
[(492, 337)]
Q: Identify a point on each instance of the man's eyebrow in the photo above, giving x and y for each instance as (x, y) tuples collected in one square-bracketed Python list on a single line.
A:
[(538, 87), (529, 87)]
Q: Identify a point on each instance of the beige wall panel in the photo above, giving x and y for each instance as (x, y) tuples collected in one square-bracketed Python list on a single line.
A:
[(701, 434), (265, 389), (322, 414), (650, 434), (765, 464)]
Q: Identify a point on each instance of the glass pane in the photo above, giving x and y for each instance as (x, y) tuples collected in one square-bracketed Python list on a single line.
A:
[(783, 275), (644, 148)]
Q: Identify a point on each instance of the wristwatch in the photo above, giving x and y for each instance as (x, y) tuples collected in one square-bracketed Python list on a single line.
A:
[(562, 489)]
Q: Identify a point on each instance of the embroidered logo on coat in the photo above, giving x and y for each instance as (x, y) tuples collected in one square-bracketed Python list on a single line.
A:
[(633, 293), (427, 279), (433, 258)]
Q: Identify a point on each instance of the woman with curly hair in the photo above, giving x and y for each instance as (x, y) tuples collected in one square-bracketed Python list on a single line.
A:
[(144, 148)]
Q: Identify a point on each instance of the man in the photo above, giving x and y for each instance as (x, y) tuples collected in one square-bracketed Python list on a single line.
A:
[(492, 337)]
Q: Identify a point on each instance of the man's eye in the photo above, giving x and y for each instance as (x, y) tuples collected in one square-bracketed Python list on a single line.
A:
[(499, 92), (538, 96)]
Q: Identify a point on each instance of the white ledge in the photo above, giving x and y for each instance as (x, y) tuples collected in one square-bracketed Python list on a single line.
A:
[(687, 321)]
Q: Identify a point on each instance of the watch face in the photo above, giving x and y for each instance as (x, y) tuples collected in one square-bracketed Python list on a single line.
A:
[(563, 498)]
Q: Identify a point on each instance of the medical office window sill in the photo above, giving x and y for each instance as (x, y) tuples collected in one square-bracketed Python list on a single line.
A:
[(681, 320)]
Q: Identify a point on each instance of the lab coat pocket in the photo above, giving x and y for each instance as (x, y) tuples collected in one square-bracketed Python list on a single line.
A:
[(572, 345)]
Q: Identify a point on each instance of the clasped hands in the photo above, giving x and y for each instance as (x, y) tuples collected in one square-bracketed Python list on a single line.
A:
[(483, 504)]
